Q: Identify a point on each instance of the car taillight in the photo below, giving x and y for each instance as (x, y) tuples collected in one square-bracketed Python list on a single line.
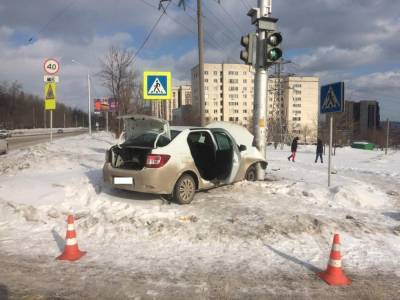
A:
[(156, 160)]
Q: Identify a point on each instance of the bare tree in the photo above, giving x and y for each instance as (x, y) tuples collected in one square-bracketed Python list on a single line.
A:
[(117, 76), (137, 103), (116, 73), (21, 110), (306, 131)]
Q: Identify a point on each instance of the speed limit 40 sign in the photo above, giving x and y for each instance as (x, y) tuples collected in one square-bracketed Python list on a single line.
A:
[(51, 66)]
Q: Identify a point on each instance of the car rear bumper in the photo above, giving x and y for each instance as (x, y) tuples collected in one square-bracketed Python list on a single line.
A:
[(147, 180)]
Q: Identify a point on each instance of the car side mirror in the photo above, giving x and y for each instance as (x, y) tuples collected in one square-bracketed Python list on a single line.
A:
[(242, 148)]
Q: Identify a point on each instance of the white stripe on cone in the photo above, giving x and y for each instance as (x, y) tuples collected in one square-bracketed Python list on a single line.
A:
[(70, 227), (336, 247), (71, 242), (337, 263)]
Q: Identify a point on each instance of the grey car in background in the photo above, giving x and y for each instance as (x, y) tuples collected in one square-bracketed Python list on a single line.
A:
[(3, 145)]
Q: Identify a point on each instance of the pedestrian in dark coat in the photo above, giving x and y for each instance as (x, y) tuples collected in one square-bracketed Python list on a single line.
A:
[(293, 149), (320, 149)]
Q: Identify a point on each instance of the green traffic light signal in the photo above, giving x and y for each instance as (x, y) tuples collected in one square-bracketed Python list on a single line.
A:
[(274, 54), (274, 51)]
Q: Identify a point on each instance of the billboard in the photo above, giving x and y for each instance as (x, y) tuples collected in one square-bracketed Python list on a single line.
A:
[(105, 104)]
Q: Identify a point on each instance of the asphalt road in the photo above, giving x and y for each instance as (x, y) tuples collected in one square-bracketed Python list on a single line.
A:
[(17, 142)]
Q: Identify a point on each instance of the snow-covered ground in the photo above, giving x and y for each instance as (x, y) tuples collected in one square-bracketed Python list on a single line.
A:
[(248, 232)]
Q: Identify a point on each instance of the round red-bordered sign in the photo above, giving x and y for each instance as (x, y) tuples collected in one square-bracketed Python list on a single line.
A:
[(51, 66)]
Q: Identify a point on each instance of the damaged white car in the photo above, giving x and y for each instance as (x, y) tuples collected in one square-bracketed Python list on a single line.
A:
[(155, 158)]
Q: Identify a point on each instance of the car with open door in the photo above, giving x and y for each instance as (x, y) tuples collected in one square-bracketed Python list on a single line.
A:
[(152, 157)]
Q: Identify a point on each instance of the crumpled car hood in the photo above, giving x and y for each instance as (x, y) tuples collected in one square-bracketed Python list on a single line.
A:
[(241, 135)]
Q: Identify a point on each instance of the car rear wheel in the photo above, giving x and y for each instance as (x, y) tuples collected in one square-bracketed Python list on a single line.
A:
[(184, 190), (251, 173)]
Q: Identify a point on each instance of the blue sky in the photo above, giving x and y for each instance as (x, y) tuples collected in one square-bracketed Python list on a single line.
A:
[(351, 40)]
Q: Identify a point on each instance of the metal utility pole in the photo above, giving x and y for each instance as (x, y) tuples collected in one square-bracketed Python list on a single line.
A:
[(44, 118), (51, 126), (387, 136), (267, 53), (89, 105), (34, 119), (106, 121), (200, 36), (260, 92), (330, 148), (64, 119), (89, 97)]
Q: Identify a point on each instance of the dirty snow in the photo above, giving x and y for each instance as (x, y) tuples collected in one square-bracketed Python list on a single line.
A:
[(283, 225)]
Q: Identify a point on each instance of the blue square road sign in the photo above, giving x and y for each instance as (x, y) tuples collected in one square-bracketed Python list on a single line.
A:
[(332, 98), (157, 85)]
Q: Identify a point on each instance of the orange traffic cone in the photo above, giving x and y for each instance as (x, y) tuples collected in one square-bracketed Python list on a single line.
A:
[(71, 250), (333, 274)]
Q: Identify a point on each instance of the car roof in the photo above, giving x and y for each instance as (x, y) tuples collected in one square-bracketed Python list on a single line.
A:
[(181, 128)]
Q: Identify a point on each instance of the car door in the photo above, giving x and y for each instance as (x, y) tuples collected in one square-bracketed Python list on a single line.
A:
[(227, 156), (202, 148)]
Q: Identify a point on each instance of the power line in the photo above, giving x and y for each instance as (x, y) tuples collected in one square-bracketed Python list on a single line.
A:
[(244, 5), (209, 36), (59, 13), (151, 32), (211, 41), (231, 17), (221, 23), (247, 3)]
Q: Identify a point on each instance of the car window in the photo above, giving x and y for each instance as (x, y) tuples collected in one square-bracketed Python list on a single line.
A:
[(147, 140), (200, 137), (223, 141), (174, 133)]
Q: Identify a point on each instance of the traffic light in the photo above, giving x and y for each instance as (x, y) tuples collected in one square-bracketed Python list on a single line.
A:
[(274, 51), (248, 42)]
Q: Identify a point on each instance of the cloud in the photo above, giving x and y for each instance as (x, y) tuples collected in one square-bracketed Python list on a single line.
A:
[(351, 40), (333, 58)]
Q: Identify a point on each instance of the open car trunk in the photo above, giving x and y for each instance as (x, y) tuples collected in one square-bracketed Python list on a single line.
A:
[(141, 135), (129, 157)]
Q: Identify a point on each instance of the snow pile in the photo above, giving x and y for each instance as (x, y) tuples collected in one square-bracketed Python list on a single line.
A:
[(254, 224)]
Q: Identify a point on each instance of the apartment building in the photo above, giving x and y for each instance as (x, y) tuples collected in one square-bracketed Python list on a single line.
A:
[(228, 93), (181, 95), (295, 105)]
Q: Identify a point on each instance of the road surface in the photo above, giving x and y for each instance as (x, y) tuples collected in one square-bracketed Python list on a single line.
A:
[(17, 142)]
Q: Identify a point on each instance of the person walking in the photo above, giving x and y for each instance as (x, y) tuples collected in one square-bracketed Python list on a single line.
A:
[(293, 148), (320, 148)]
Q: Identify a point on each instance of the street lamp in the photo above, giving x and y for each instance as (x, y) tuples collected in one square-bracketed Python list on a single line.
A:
[(89, 101)]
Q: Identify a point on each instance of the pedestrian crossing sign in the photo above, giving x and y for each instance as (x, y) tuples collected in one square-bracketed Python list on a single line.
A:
[(50, 95), (332, 98), (157, 85)]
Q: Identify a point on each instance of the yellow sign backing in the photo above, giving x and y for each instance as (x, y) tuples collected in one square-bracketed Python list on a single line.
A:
[(157, 85), (50, 96)]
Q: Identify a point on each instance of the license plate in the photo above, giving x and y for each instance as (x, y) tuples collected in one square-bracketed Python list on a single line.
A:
[(123, 180)]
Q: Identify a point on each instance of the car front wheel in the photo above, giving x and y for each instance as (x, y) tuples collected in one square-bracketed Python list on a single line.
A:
[(251, 174), (184, 189)]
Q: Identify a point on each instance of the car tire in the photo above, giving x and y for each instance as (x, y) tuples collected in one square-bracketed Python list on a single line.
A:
[(251, 173), (184, 189)]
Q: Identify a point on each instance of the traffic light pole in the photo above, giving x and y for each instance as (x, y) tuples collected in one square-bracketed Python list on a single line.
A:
[(260, 94), (200, 36)]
